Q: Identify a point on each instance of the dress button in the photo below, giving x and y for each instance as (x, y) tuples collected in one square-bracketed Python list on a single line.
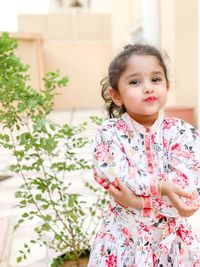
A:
[(148, 130), (148, 148), (150, 164)]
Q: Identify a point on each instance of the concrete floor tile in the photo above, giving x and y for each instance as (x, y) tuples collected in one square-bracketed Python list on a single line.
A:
[(84, 115), (4, 222), (37, 252), (61, 116)]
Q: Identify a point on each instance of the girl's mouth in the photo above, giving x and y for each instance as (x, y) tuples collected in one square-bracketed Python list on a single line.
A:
[(150, 99)]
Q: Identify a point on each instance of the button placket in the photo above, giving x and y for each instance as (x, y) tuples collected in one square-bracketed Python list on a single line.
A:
[(147, 143)]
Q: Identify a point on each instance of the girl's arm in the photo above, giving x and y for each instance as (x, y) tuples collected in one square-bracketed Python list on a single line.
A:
[(174, 192), (127, 198), (111, 162)]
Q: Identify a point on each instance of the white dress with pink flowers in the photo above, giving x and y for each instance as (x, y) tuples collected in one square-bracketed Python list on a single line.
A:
[(155, 236)]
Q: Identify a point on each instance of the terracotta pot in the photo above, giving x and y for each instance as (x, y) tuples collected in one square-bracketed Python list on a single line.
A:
[(184, 113), (80, 263)]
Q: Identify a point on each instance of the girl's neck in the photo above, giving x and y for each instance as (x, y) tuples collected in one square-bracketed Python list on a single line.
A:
[(146, 121)]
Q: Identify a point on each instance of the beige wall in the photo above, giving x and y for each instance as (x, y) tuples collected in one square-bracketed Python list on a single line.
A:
[(69, 26), (126, 16), (79, 44), (168, 43), (186, 52), (179, 40), (30, 50), (85, 64)]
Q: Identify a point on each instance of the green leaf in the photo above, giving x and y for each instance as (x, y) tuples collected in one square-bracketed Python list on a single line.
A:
[(48, 218), (25, 215), (45, 207), (18, 194), (19, 259), (38, 197), (45, 227)]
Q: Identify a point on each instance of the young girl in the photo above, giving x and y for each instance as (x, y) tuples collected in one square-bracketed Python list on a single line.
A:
[(149, 164)]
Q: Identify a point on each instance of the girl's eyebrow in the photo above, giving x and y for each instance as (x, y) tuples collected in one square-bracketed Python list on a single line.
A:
[(157, 72), (133, 75)]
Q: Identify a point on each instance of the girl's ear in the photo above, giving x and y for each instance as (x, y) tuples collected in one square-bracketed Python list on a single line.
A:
[(168, 86), (115, 96)]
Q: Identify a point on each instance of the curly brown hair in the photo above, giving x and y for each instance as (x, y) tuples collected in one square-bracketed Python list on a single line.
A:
[(118, 66)]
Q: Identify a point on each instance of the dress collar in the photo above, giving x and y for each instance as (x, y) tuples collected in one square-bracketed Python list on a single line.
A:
[(139, 128)]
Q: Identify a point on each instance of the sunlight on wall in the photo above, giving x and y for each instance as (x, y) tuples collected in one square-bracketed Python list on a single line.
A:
[(9, 10), (8, 15), (101, 6), (32, 7)]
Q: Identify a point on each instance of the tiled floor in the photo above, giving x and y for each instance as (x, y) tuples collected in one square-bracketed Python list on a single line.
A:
[(10, 242)]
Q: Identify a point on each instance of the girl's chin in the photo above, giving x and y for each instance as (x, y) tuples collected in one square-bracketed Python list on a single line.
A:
[(151, 114)]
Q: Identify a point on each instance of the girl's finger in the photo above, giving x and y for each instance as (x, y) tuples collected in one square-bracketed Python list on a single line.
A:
[(112, 190), (188, 213), (181, 206), (120, 184), (186, 208), (194, 195), (182, 192)]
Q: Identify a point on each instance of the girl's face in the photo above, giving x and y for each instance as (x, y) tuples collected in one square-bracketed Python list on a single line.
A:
[(142, 89)]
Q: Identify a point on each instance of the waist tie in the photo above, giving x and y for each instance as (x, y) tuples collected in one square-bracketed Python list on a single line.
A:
[(176, 228)]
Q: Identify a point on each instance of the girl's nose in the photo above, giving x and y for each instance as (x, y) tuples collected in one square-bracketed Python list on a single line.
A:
[(148, 90)]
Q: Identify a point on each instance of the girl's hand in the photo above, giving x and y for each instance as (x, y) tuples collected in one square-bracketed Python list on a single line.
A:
[(124, 195), (174, 193)]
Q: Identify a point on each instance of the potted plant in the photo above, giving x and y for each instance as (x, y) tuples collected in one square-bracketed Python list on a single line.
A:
[(47, 156)]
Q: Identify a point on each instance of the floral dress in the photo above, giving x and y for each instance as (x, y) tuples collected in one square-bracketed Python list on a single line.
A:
[(156, 236)]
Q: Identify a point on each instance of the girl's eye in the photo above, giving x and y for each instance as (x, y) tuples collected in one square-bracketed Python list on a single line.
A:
[(135, 82), (156, 79)]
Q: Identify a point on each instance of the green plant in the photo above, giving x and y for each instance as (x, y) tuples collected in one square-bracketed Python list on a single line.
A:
[(47, 155)]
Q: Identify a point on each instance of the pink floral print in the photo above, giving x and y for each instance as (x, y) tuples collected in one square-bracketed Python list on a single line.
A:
[(102, 151), (169, 150)]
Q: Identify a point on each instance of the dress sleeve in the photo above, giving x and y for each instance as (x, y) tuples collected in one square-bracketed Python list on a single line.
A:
[(184, 158), (111, 161), (183, 164)]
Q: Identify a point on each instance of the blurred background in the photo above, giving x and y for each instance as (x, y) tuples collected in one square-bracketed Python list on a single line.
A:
[(80, 37)]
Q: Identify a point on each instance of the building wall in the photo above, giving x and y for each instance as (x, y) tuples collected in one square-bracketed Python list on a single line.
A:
[(126, 17), (30, 50), (168, 43), (85, 64), (79, 44), (186, 52), (179, 40)]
